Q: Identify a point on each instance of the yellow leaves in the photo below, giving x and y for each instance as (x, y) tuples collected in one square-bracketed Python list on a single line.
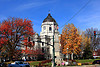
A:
[(85, 40), (71, 39)]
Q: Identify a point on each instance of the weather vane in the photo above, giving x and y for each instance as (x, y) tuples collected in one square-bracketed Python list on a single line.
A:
[(49, 11)]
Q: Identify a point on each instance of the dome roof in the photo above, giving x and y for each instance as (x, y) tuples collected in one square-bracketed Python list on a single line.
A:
[(49, 19)]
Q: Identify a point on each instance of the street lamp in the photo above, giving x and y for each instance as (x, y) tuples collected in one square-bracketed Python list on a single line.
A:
[(67, 54), (82, 54)]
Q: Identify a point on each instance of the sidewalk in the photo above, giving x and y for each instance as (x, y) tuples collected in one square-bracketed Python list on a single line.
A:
[(97, 65)]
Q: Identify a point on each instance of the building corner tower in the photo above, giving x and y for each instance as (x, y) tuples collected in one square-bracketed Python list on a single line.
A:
[(48, 27)]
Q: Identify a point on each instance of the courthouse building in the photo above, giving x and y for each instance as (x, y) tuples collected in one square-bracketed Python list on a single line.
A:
[(49, 28)]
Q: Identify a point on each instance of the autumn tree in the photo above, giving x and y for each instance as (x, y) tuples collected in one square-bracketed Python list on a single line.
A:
[(86, 46), (62, 41), (71, 39), (90, 42), (37, 53), (29, 50), (94, 40), (12, 32)]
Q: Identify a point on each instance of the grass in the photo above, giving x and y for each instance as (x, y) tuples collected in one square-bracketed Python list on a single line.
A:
[(86, 60), (34, 62), (31, 62), (49, 64), (9, 62), (37, 62), (79, 61)]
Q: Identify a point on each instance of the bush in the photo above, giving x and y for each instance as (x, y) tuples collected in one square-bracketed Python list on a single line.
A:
[(98, 58), (85, 63)]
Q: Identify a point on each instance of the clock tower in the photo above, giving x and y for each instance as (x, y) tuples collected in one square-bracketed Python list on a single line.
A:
[(49, 28)]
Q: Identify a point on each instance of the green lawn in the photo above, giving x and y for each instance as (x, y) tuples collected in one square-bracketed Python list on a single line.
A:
[(35, 62), (86, 60), (79, 61), (31, 62), (9, 62)]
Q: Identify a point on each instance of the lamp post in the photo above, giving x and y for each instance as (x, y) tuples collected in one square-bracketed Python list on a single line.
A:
[(82, 54), (67, 54)]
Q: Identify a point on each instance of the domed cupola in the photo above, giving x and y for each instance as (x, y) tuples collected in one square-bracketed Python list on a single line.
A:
[(49, 19)]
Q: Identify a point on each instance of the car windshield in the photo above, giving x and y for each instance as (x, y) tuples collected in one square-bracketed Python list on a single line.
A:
[(19, 62), (25, 63)]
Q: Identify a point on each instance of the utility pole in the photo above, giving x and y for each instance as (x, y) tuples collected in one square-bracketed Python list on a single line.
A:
[(53, 48)]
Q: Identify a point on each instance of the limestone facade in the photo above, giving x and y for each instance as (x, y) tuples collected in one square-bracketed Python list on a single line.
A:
[(49, 28)]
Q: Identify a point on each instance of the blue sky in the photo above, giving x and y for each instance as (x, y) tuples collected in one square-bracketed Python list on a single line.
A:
[(61, 11)]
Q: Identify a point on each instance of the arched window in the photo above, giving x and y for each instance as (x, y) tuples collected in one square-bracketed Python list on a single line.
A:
[(50, 28)]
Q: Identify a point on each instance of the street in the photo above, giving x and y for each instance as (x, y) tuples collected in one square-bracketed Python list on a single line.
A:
[(96, 65)]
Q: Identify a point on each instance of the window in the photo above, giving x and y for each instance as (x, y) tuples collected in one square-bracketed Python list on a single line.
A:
[(33, 42), (44, 27), (42, 44), (28, 39), (50, 28)]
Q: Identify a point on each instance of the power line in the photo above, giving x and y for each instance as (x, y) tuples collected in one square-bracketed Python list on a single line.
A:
[(76, 13)]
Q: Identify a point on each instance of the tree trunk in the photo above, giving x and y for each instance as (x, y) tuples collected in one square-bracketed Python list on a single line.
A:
[(78, 57), (72, 56), (11, 58)]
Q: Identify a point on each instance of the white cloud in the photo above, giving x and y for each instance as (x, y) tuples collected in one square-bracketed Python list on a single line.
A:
[(91, 18), (90, 21), (32, 5)]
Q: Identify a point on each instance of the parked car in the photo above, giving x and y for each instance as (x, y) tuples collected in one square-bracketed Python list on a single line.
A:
[(18, 64), (3, 65), (96, 62)]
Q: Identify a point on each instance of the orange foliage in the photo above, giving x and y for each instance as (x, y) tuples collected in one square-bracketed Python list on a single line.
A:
[(70, 39), (32, 52)]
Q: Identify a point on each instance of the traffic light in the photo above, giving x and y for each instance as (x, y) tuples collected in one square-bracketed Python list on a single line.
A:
[(54, 56), (28, 39), (94, 33), (33, 42)]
